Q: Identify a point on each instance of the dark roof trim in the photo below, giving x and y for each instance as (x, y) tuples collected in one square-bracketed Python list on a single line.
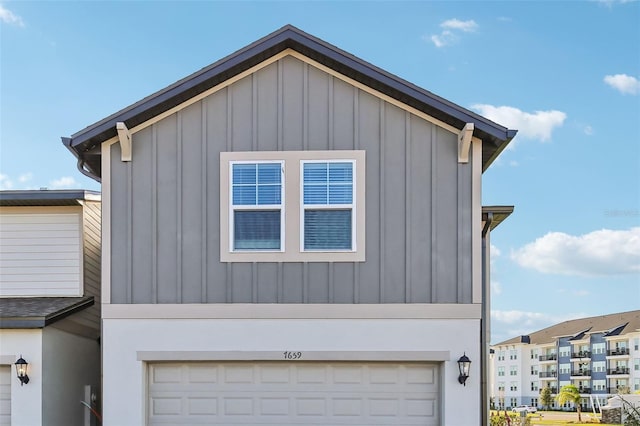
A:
[(500, 213), (84, 142), (41, 321), (64, 197)]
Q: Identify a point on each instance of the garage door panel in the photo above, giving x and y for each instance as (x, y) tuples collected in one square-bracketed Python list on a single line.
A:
[(304, 393), (5, 395)]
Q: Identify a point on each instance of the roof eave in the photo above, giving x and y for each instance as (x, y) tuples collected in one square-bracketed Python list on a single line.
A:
[(494, 136)]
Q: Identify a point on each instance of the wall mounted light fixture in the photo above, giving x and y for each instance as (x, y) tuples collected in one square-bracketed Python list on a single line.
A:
[(21, 370), (464, 365)]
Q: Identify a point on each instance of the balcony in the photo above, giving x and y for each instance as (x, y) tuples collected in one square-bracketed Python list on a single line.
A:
[(617, 371), (581, 373), (613, 391), (584, 390), (581, 354), (550, 357), (618, 352), (548, 374)]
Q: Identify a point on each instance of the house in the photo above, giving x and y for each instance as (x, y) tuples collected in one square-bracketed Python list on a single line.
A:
[(599, 355), (49, 306), (295, 235)]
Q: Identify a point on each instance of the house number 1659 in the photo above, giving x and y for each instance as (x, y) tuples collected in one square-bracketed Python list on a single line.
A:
[(292, 355)]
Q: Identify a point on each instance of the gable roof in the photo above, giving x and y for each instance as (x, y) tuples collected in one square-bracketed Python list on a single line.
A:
[(609, 325), (85, 143)]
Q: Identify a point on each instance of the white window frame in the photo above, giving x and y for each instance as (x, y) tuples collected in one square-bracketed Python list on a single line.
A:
[(243, 207), (352, 206), (291, 207)]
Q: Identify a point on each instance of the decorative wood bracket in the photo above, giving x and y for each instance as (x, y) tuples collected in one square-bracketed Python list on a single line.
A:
[(125, 141), (464, 143)]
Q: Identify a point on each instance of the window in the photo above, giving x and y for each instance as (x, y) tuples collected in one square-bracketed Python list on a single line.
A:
[(565, 368), (500, 386), (565, 350), (500, 371), (534, 370), (534, 402), (292, 206), (534, 386), (599, 384), (513, 354), (513, 370), (636, 343), (256, 203), (513, 386), (599, 366), (636, 364), (514, 402), (598, 348), (328, 207)]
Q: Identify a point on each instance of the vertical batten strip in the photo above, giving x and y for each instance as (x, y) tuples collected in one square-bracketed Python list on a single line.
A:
[(434, 211), (305, 106), (129, 220), (203, 201), (279, 283), (381, 168), (356, 146), (254, 282), (154, 213), (460, 235), (229, 134), (331, 110), (305, 282), (179, 206), (407, 208), (254, 112), (280, 116)]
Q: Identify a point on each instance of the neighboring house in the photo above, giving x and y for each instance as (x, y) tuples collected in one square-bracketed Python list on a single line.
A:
[(294, 235), (49, 305), (599, 355)]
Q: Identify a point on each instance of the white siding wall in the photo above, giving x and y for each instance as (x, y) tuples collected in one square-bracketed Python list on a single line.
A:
[(40, 252)]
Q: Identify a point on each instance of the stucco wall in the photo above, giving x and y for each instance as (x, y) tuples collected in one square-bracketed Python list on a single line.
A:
[(69, 363), (127, 339), (26, 400)]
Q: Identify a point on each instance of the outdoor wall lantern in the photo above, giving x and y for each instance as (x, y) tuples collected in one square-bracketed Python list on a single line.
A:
[(464, 365), (21, 370)]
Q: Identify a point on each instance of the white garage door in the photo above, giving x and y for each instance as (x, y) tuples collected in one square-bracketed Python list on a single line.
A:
[(300, 393), (5, 395)]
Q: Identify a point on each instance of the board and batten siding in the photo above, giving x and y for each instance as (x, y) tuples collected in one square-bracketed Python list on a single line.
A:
[(41, 251), (164, 205)]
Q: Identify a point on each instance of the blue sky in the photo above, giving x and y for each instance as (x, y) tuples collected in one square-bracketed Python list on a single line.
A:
[(565, 74)]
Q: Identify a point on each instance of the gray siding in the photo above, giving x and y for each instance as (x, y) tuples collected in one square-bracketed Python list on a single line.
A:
[(165, 203)]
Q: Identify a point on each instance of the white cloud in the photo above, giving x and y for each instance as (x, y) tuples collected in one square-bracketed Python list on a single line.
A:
[(623, 83), (604, 252), (451, 28), (588, 130), (5, 182), (514, 163), (495, 251), (8, 17), (443, 39), (611, 3), (496, 288), (65, 182), (508, 324), (538, 125), (25, 177), (456, 24)]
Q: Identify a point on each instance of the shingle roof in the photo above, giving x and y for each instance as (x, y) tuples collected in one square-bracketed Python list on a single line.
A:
[(38, 312), (59, 197), (620, 323), (84, 143)]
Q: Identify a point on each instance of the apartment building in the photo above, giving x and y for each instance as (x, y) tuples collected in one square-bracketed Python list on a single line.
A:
[(599, 355)]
